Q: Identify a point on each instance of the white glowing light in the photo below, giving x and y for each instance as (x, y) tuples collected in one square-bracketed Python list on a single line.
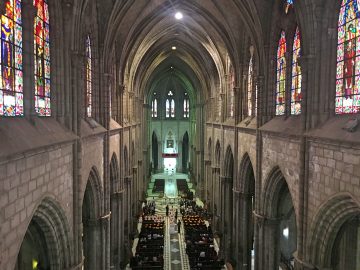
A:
[(286, 232), (178, 15), (173, 48)]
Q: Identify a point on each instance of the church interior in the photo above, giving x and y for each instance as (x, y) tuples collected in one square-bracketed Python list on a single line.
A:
[(180, 134)]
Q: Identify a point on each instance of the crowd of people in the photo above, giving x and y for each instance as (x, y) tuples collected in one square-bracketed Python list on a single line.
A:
[(199, 238), (150, 247)]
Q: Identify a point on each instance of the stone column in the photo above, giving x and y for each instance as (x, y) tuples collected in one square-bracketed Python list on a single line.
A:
[(28, 16)]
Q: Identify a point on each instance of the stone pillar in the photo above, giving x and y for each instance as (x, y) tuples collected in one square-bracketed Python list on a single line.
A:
[(28, 16)]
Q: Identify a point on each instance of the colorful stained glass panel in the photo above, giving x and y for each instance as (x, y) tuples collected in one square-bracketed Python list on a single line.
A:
[(296, 95), (88, 95), (42, 59), (11, 98), (281, 75), (348, 59)]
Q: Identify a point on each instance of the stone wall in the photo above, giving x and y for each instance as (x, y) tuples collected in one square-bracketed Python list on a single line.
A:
[(25, 182)]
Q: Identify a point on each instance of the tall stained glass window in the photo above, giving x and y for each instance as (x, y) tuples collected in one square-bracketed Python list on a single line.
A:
[(296, 96), (42, 58), (154, 108), (167, 107), (281, 75), (348, 59), (186, 107), (231, 91), (250, 87), (88, 97), (11, 75), (172, 110)]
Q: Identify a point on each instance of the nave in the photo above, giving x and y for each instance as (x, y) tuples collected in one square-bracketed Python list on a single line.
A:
[(191, 247)]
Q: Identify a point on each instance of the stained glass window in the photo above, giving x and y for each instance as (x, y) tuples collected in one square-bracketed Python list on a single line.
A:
[(154, 108), (231, 92), (250, 87), (172, 105), (186, 108), (42, 58), (88, 96), (281, 75), (167, 104), (348, 59), (296, 96), (288, 5), (11, 75)]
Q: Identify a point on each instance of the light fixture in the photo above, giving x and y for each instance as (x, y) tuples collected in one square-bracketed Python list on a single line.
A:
[(178, 15), (173, 48), (171, 67)]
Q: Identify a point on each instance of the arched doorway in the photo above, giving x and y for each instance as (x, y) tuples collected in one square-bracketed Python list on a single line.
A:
[(335, 231), (227, 204), (245, 220), (91, 223), (279, 241), (185, 152), (116, 226), (46, 242), (155, 152)]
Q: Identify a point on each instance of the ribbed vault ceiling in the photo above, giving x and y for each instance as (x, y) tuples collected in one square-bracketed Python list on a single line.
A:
[(144, 32)]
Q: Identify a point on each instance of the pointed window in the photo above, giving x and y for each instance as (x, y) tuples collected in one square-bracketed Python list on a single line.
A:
[(281, 75), (88, 97), (172, 108), (167, 104), (186, 106), (42, 58), (347, 70), (154, 108), (11, 76), (250, 87), (296, 95)]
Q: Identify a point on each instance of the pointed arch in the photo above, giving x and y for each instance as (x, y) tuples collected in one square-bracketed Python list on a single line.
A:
[(246, 182), (229, 162), (326, 225), (210, 149), (155, 150), (217, 153), (126, 160), (49, 223), (114, 173), (185, 151), (94, 191)]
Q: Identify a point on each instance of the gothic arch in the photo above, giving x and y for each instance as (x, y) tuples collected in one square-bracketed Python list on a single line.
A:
[(246, 173), (94, 191), (326, 225), (49, 222), (114, 173), (210, 149), (280, 221), (273, 185), (126, 161), (229, 162), (217, 153)]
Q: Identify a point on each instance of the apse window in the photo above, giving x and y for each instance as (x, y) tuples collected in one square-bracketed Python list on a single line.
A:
[(170, 106)]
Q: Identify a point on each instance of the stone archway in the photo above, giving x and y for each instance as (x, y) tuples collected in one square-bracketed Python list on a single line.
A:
[(244, 219), (46, 243), (226, 190), (185, 152), (336, 225), (277, 223), (155, 152), (92, 236), (116, 206)]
